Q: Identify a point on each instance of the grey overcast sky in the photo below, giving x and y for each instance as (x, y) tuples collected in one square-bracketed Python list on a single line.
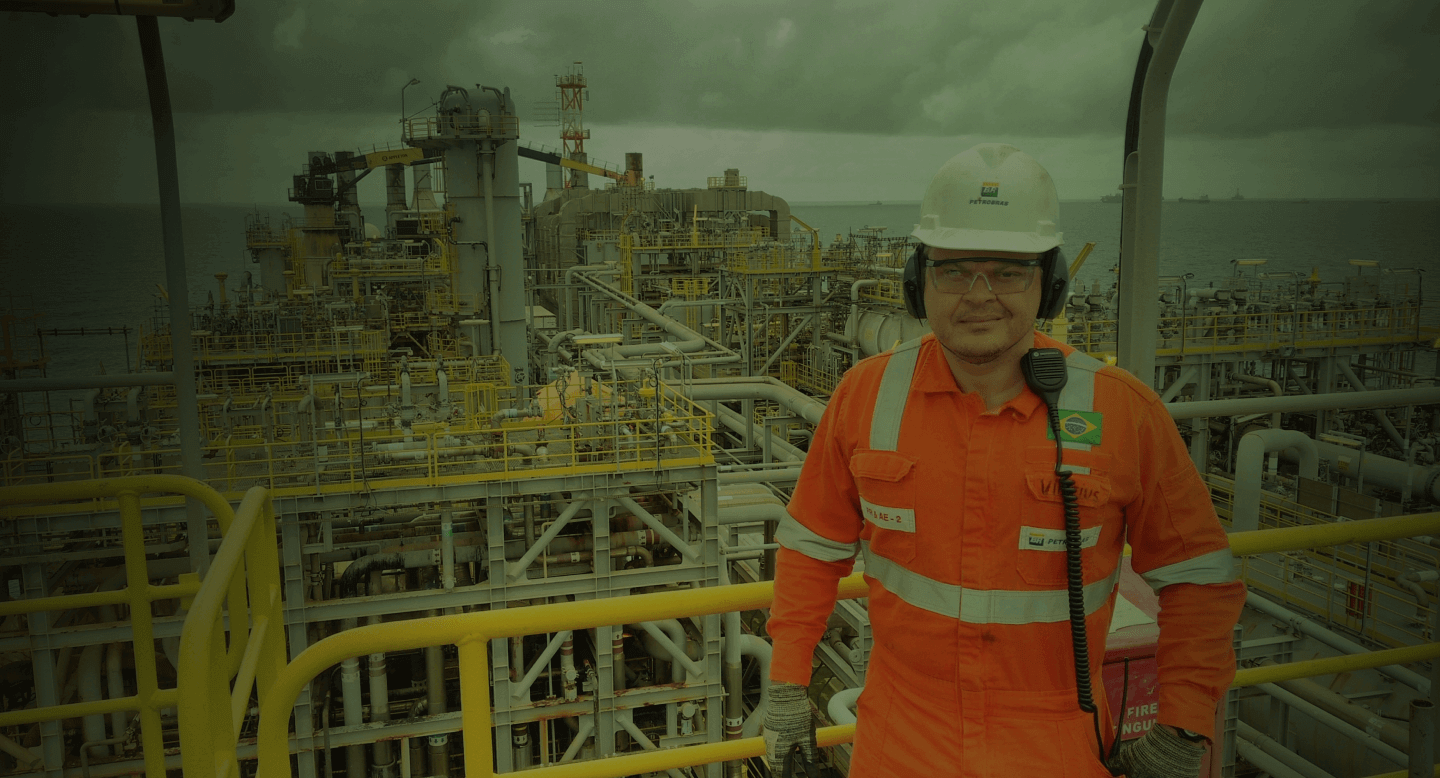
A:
[(850, 100)]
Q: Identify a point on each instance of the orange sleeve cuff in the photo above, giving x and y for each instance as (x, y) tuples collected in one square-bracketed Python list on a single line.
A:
[(804, 599), (1186, 707)]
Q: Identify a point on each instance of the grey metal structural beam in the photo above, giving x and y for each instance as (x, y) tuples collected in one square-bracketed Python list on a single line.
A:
[(87, 382), (1140, 262), (1385, 398), (182, 350)]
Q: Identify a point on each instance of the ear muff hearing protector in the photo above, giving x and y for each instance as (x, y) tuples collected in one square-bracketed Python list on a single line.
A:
[(912, 283), (1054, 280)]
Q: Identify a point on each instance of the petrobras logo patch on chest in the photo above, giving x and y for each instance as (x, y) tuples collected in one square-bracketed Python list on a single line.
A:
[(897, 519), (1042, 539)]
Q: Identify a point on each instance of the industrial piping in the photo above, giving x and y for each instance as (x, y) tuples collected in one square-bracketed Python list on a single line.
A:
[(1274, 610), (758, 388), (1380, 416), (1387, 472), (1250, 460), (1274, 387)]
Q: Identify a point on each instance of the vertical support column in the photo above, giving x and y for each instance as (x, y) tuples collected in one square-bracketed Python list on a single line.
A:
[(1225, 753), (1422, 739), (1200, 428), (462, 192), (1325, 378), (475, 707), (137, 582), (499, 661), (1139, 268), (606, 637), (297, 628), (183, 354), (42, 663), (747, 407), (505, 268), (708, 542), (1435, 670), (748, 300)]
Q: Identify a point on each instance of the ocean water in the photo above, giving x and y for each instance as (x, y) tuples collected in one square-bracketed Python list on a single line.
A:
[(1321, 236), (101, 265)]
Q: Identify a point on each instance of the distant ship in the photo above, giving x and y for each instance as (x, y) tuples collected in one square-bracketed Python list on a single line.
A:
[(877, 202), (1302, 200), (1205, 198), (1112, 198), (1238, 196)]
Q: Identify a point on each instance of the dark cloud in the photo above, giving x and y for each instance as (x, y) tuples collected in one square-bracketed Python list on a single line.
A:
[(1258, 68), (1044, 67)]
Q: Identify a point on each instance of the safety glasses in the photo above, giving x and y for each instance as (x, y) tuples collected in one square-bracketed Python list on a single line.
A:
[(1002, 276)]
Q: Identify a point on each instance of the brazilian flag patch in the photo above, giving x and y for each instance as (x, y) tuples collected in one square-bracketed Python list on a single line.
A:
[(1078, 427)]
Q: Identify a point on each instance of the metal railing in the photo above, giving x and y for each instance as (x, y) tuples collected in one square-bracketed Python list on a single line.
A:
[(292, 347), (1235, 332), (461, 125), (620, 426), (471, 633), (149, 699), (1358, 588)]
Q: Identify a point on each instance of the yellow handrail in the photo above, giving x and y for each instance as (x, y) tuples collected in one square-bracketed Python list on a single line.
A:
[(1266, 541), (472, 631), (212, 715), (1405, 774), (149, 698)]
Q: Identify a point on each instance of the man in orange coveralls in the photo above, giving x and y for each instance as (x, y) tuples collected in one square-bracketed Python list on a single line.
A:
[(932, 464)]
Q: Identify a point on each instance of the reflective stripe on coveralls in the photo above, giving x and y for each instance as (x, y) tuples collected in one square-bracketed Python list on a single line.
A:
[(798, 537), (982, 606), (973, 606)]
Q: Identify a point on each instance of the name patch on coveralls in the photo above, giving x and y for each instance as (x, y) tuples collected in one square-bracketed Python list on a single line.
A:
[(1041, 539), (898, 519)]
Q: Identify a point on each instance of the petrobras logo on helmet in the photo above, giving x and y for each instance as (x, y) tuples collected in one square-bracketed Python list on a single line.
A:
[(989, 194)]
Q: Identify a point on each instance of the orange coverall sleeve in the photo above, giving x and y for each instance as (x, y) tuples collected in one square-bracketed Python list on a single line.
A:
[(1172, 521), (827, 503)]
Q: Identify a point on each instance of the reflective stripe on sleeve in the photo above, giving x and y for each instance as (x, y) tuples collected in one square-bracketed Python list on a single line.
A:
[(798, 537), (982, 606), (891, 398), (1213, 568)]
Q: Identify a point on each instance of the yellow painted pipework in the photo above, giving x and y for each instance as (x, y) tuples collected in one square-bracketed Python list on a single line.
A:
[(1405, 774), (1080, 258), (1267, 541), (1252, 676)]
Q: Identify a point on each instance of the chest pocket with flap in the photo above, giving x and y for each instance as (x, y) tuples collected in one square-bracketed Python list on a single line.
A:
[(1040, 557), (887, 485)]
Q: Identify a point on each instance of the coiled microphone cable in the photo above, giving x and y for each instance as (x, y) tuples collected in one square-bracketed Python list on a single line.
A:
[(1045, 373)]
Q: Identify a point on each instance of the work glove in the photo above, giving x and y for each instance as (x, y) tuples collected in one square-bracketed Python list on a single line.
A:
[(1161, 753), (788, 722)]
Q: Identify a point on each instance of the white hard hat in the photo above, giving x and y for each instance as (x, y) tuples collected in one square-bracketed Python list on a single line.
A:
[(990, 197)]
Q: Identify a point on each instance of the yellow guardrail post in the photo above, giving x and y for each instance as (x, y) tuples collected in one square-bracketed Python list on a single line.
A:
[(147, 682), (211, 715)]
